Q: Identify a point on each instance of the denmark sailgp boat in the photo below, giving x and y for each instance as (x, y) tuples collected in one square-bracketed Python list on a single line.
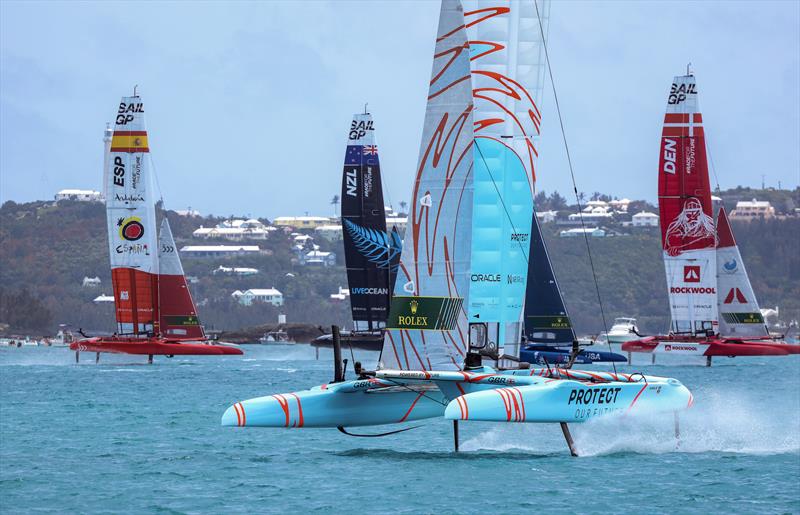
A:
[(705, 273), (548, 329), (371, 253), (154, 309), (432, 355)]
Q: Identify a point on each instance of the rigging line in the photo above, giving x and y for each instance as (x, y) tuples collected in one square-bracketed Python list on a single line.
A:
[(403, 385), (502, 201), (572, 175)]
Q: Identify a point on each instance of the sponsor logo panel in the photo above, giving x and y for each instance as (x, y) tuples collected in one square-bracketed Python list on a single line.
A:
[(424, 313)]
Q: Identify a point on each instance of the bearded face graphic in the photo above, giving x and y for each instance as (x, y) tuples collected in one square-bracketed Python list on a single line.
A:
[(692, 228)]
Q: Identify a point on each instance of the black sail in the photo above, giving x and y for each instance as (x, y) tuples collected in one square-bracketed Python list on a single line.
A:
[(546, 318), (371, 253)]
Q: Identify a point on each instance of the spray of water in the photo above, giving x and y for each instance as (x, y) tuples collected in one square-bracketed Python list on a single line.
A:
[(724, 422)]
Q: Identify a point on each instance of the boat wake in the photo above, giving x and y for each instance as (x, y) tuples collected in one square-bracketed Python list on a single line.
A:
[(726, 422)]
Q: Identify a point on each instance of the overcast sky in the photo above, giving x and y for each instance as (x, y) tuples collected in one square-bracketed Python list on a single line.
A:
[(248, 103)]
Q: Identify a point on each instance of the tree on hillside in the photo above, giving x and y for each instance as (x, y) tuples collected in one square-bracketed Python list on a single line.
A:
[(540, 201), (403, 206), (557, 202), (23, 311), (335, 202)]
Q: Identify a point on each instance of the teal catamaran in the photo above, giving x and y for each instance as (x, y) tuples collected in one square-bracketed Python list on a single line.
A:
[(443, 320)]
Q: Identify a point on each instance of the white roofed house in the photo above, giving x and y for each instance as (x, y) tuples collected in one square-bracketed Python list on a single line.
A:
[(265, 295), (593, 213), (91, 282), (329, 232), (752, 210), (546, 217), (318, 258), (219, 250), (241, 271), (591, 231), (79, 195), (236, 229), (644, 219)]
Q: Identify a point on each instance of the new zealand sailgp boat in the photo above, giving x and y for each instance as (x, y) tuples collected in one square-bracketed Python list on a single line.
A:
[(154, 308), (431, 360), (548, 329), (699, 286), (371, 253)]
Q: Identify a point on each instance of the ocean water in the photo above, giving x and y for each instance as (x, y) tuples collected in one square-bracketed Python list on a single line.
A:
[(123, 436)]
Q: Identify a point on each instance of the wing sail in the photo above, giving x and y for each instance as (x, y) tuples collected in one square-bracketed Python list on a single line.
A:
[(131, 218), (687, 226), (371, 254), (506, 58), (428, 318)]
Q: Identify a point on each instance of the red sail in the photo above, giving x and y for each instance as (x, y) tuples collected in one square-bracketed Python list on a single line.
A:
[(178, 315), (135, 299)]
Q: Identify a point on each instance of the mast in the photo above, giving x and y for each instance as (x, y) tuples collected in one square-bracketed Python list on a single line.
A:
[(428, 323), (687, 226), (131, 218), (371, 253)]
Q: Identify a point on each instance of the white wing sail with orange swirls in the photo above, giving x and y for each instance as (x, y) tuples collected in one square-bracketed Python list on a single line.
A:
[(427, 318)]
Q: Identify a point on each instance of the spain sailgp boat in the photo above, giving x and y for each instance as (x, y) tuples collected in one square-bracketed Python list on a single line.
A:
[(371, 252), (705, 272), (154, 309), (431, 362)]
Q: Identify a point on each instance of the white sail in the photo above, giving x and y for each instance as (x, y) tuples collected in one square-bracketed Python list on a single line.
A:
[(507, 64), (131, 216), (739, 313), (428, 319)]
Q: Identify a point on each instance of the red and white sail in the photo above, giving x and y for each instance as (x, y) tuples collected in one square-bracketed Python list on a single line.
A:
[(131, 217), (740, 315), (687, 224), (177, 312)]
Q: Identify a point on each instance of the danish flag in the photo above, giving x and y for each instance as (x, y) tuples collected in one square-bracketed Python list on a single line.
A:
[(737, 294)]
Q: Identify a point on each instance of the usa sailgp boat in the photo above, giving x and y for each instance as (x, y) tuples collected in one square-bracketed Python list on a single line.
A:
[(431, 362), (705, 272), (549, 335), (371, 252), (154, 309)]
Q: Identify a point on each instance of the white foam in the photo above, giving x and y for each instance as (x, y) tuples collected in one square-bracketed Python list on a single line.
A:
[(724, 421)]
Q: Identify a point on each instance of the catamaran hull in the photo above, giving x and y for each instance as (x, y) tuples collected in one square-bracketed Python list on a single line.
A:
[(569, 401), (559, 356), (709, 347), (152, 346), (339, 405)]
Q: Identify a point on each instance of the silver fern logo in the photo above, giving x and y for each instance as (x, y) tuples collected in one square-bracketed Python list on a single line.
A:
[(377, 246)]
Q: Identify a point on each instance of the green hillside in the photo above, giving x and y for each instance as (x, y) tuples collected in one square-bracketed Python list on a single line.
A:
[(46, 250)]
